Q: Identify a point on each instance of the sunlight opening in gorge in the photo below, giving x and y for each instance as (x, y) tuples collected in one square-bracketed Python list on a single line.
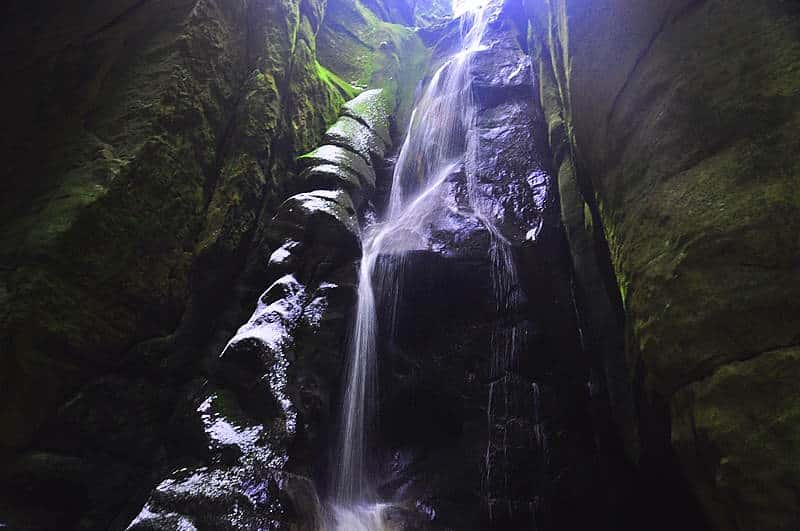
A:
[(462, 6)]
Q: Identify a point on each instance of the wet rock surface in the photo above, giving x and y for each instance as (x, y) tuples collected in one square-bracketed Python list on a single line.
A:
[(680, 166), (144, 213), (481, 442), (346, 159), (266, 410), (370, 108), (357, 137), (136, 206)]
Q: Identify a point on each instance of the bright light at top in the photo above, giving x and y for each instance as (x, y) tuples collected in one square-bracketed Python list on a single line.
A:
[(462, 6)]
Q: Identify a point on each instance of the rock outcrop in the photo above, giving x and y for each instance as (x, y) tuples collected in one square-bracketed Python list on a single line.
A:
[(266, 409), (154, 142), (169, 163), (674, 125)]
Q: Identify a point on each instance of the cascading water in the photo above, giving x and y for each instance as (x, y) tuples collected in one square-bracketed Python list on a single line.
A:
[(435, 149)]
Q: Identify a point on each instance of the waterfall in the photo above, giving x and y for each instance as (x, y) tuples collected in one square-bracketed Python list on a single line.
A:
[(433, 150)]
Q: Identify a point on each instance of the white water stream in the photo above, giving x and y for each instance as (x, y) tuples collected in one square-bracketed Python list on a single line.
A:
[(434, 150)]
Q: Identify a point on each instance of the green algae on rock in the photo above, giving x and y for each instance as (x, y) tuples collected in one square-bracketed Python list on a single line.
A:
[(154, 158), (738, 432), (372, 108), (681, 149)]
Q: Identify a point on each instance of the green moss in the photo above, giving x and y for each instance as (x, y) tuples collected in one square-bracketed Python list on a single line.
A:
[(372, 53), (230, 214), (587, 218), (352, 53), (688, 142), (180, 146), (739, 431), (347, 90), (373, 108)]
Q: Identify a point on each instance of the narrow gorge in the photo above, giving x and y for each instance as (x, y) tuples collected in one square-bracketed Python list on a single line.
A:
[(400, 265)]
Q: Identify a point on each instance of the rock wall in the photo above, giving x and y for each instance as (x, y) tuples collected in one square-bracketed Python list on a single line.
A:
[(260, 427), (674, 125), (149, 148), (153, 141)]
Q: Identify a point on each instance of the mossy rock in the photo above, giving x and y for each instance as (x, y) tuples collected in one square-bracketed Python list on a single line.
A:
[(366, 51), (331, 177), (372, 108), (686, 146), (346, 90), (357, 137), (738, 433), (338, 156), (327, 217)]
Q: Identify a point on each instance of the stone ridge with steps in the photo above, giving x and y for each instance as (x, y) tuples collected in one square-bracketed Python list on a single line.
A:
[(273, 387)]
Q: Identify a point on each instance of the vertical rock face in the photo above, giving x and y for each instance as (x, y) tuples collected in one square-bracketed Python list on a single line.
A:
[(152, 145), (477, 432), (367, 51), (675, 126), (271, 391), (143, 209), (265, 411)]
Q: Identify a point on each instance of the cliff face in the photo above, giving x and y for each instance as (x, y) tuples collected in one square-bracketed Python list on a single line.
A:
[(152, 141), (675, 126), (150, 134), (148, 150)]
